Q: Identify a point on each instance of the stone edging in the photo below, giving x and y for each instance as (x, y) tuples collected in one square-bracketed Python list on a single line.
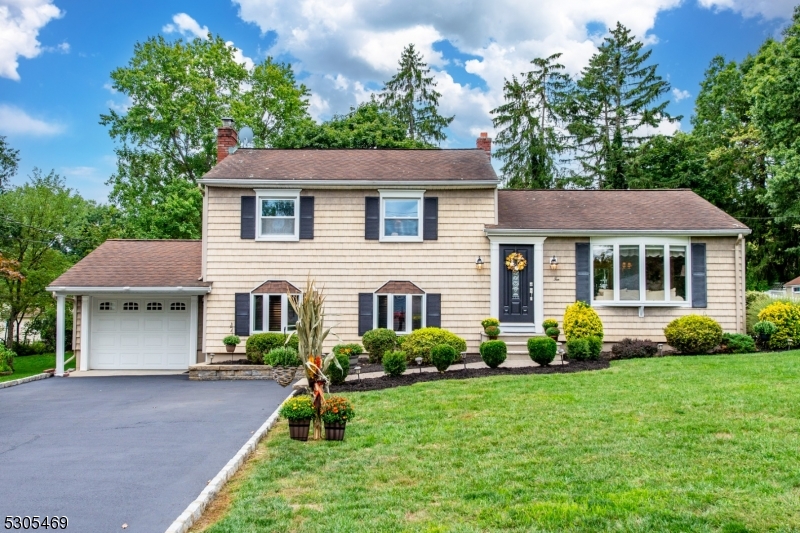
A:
[(196, 508), (28, 379)]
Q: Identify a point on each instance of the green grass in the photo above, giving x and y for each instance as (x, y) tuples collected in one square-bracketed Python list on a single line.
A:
[(668, 444), (30, 365)]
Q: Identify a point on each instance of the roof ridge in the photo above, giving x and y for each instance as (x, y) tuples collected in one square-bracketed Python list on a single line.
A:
[(155, 240)]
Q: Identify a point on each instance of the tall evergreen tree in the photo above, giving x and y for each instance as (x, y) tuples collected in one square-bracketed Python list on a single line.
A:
[(411, 96), (618, 98), (532, 138), (9, 159)]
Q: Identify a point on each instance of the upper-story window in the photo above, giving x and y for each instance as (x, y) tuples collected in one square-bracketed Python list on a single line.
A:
[(401, 215), (640, 271), (277, 215)]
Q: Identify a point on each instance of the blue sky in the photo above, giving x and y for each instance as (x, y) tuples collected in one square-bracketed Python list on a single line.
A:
[(56, 55)]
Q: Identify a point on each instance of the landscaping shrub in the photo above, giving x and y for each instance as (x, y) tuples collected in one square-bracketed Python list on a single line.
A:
[(486, 322), (581, 321), (764, 327), (337, 409), (785, 314), (394, 363), (22, 349), (492, 331), (419, 343), (282, 356), (542, 350), (634, 349), (260, 344), (350, 350), (550, 323), (379, 341), (493, 353), (738, 343), (755, 301), (400, 340), (335, 375), (6, 359), (552, 331), (442, 356), (693, 334), (297, 408), (231, 340), (579, 349), (595, 347)]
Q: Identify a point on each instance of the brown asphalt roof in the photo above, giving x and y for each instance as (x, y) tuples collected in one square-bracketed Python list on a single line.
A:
[(795, 281), (137, 263), (388, 165), (276, 287), (636, 210), (399, 287)]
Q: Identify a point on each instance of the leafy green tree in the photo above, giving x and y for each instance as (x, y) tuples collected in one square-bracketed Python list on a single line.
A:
[(9, 159), (36, 219), (532, 138), (411, 96), (366, 126), (616, 102)]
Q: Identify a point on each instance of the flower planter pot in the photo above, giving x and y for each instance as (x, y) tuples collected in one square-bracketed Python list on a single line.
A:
[(298, 429), (554, 337), (334, 430), (492, 337), (284, 375), (764, 339), (230, 348)]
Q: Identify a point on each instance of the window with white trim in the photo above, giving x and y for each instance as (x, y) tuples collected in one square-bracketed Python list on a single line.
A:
[(640, 271), (278, 215), (272, 312), (796, 290), (155, 306), (401, 215), (106, 306), (177, 306), (402, 313), (130, 306)]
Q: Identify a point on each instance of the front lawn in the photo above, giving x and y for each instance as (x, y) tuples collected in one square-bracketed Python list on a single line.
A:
[(30, 365), (668, 444)]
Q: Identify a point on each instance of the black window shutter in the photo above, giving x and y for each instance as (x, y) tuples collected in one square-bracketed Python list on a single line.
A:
[(306, 217), (430, 227), (433, 311), (364, 312), (699, 276), (583, 289), (248, 219), (242, 322), (372, 218)]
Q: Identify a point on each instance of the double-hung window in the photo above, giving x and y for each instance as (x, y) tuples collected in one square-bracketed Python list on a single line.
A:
[(640, 271), (272, 312), (401, 215), (277, 215), (402, 313)]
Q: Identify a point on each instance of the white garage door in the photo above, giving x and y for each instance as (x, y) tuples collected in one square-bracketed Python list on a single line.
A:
[(139, 333)]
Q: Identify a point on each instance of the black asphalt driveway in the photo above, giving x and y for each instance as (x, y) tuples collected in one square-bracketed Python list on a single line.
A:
[(108, 451)]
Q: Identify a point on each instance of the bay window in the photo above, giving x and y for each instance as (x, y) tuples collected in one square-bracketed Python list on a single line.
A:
[(629, 271), (402, 313)]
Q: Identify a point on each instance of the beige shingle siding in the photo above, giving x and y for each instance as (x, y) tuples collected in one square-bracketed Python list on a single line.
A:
[(722, 268), (342, 261), (76, 329)]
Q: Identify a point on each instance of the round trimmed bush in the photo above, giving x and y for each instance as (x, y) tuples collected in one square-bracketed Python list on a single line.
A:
[(394, 363), (581, 321), (442, 356), (786, 317), (493, 353), (282, 356), (552, 331), (595, 347), (486, 322), (550, 323), (377, 342), (492, 331), (693, 334), (335, 375), (764, 327), (542, 350), (420, 342), (579, 349), (260, 344)]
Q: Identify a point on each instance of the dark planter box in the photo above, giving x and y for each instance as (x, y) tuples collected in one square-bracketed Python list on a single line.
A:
[(334, 431), (298, 429)]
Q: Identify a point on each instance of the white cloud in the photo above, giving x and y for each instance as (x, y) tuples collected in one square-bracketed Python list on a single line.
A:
[(679, 95), (120, 107), (15, 121), (62, 48), (769, 9), (186, 25), (79, 172), (20, 22), (240, 58)]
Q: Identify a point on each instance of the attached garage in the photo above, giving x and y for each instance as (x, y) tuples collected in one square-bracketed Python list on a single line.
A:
[(138, 305)]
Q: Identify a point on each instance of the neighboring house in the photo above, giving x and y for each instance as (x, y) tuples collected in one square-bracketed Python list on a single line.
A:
[(401, 239), (793, 287)]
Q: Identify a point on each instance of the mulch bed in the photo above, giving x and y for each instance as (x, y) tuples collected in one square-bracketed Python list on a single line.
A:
[(377, 367), (386, 382)]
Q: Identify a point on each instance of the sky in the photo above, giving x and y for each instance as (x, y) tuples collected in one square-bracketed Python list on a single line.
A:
[(56, 56)]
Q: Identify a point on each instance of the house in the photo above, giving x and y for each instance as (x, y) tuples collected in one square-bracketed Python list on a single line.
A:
[(793, 287), (400, 239)]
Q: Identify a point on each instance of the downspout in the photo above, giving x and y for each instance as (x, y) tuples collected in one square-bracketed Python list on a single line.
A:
[(738, 255)]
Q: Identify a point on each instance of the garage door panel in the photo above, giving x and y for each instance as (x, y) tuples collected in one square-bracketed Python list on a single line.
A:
[(154, 323), (152, 359), (129, 324)]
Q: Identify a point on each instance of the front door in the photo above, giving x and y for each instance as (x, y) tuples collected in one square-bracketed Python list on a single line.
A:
[(516, 285)]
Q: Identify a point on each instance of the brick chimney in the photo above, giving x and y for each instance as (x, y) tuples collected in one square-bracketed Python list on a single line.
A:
[(227, 137), (484, 143)]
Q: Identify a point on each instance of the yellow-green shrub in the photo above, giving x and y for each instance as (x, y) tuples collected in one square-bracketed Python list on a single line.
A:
[(786, 317), (581, 321), (419, 343), (693, 334)]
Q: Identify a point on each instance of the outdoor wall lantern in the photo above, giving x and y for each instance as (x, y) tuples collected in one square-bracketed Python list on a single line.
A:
[(479, 263), (554, 263)]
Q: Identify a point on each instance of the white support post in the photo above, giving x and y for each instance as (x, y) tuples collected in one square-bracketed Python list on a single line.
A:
[(60, 310)]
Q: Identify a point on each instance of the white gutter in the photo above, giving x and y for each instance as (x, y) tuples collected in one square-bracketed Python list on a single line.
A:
[(615, 232), (348, 184), (98, 290)]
